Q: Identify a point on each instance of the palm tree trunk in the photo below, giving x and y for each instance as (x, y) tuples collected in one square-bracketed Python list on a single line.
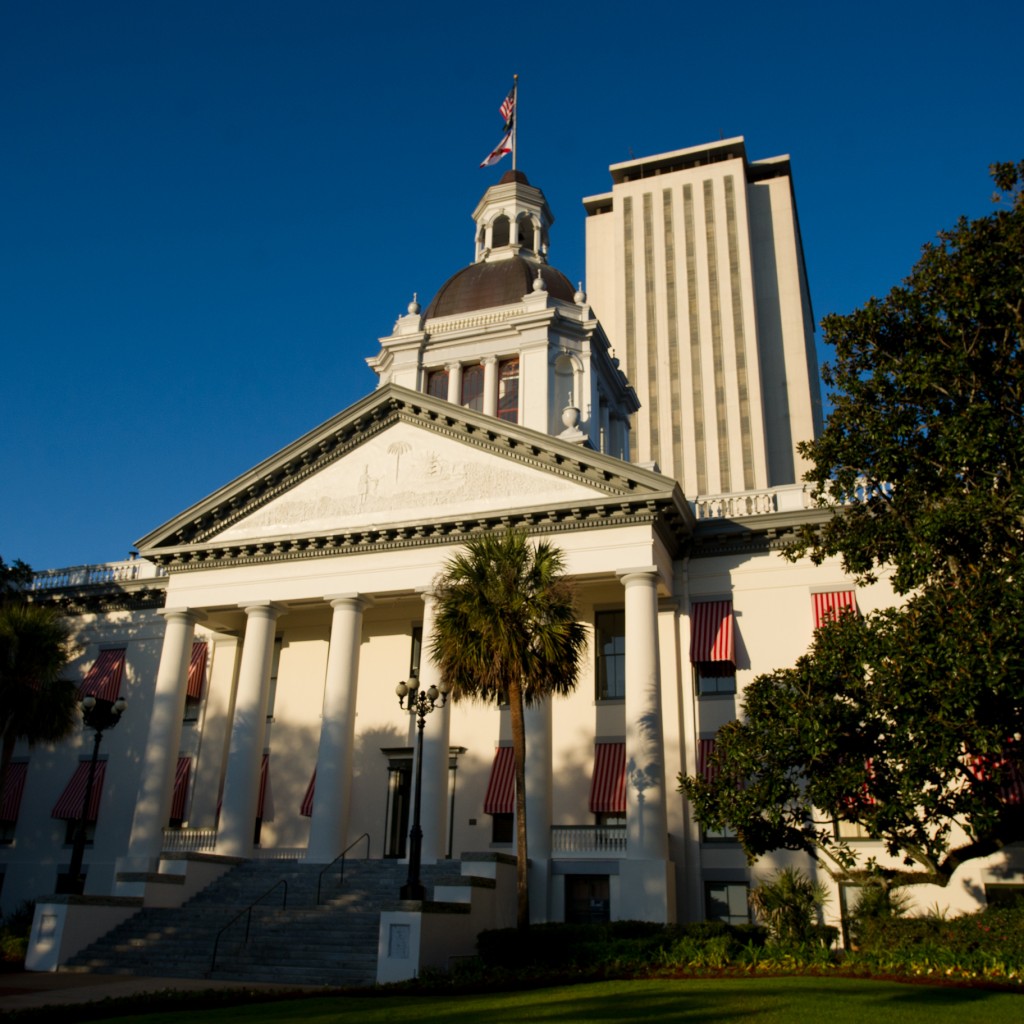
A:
[(515, 695)]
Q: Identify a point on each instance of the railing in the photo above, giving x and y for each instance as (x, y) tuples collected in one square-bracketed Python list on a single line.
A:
[(94, 575), (579, 839), (189, 840), (247, 914), (341, 857)]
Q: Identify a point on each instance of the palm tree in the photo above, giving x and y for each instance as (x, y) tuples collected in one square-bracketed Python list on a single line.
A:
[(35, 703), (505, 632)]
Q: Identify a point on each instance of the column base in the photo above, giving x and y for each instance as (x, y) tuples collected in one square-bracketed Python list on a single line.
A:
[(647, 891)]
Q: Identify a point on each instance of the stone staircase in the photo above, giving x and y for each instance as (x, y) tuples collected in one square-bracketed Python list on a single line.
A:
[(334, 943)]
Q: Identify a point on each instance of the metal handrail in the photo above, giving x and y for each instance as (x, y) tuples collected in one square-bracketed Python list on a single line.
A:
[(341, 857), (247, 914)]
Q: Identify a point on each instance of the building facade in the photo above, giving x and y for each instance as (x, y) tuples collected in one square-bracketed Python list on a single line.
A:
[(259, 638)]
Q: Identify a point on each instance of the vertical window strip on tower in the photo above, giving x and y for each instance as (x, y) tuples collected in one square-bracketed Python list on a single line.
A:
[(672, 325), (742, 378), (630, 306), (717, 353), (693, 311), (473, 387), (651, 314)]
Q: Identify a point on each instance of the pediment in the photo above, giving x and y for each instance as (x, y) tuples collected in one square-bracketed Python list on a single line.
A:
[(404, 474), (403, 467)]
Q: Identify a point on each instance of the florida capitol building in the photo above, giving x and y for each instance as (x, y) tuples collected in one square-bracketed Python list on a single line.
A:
[(647, 428)]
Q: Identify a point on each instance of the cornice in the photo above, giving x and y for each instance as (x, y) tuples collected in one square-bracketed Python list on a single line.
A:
[(660, 512)]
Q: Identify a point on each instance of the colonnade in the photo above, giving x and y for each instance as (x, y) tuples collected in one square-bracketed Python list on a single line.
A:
[(646, 795)]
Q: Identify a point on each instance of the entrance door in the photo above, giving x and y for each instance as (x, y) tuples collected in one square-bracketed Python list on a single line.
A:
[(399, 791), (587, 899)]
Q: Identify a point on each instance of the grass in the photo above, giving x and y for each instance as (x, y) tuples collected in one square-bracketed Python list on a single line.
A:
[(752, 1001)]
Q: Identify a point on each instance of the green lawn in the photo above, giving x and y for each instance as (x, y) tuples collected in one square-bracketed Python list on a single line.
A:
[(751, 1001)]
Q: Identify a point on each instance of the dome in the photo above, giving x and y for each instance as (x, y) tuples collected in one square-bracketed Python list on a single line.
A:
[(495, 283)]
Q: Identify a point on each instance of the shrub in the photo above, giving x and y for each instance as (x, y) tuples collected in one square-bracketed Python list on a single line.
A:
[(788, 904)]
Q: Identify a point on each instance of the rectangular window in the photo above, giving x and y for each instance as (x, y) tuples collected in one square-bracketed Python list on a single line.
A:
[(473, 387), (274, 666), (501, 828), (610, 647), (437, 384), (715, 678), (726, 901), (416, 651), (719, 835), (508, 390)]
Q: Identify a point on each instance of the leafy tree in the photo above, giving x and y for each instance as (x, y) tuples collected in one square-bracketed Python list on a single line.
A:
[(909, 722), (14, 578), (36, 705), (505, 632), (926, 439)]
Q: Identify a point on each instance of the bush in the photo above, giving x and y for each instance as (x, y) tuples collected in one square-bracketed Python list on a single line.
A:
[(789, 904), (14, 932)]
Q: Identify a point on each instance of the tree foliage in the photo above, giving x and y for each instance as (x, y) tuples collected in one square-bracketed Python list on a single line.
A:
[(908, 723), (505, 632), (926, 438), (36, 704)]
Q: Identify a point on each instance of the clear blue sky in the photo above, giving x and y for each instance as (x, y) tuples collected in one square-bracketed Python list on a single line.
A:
[(210, 211)]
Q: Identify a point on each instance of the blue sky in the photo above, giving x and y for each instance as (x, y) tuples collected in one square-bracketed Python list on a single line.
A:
[(210, 211)]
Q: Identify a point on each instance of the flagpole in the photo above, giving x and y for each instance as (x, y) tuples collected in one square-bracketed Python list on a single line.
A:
[(515, 117)]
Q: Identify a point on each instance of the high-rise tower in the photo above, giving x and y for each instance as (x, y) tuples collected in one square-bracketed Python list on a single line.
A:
[(696, 269)]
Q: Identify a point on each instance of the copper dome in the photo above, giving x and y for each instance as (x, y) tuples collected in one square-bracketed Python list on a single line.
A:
[(495, 283)]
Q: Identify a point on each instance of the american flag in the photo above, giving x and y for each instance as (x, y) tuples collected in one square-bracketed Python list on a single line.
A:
[(507, 108)]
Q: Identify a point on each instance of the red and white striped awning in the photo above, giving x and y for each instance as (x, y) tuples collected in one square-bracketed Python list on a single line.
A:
[(197, 669), (711, 632), (608, 786), (181, 775), (985, 767), (69, 806), (103, 680), (831, 605), (14, 786), (705, 748), (501, 789), (306, 810)]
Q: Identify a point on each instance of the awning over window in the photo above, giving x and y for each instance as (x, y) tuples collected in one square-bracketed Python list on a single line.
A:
[(985, 767), (705, 748), (833, 604), (501, 790), (711, 632), (103, 680), (14, 786), (307, 801), (197, 669), (608, 786), (69, 806), (181, 775)]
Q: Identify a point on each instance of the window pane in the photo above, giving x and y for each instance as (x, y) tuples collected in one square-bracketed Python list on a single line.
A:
[(715, 677), (727, 902), (610, 645), (508, 390), (473, 387), (437, 383)]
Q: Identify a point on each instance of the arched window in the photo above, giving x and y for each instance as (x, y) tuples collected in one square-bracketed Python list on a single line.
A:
[(437, 383), (508, 390), (500, 232), (473, 387), (526, 233)]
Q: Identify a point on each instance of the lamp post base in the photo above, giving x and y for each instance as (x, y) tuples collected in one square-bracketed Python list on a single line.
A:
[(412, 891)]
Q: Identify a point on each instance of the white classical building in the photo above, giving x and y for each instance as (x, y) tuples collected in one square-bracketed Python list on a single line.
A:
[(259, 637)]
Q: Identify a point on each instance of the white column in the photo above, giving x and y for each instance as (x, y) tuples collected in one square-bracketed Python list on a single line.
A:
[(245, 756), (491, 386), (538, 807), (455, 383), (160, 756), (646, 819), (332, 801), (436, 731)]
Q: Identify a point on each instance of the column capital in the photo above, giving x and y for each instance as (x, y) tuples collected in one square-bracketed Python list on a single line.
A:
[(263, 609), (188, 615), (628, 576), (357, 602)]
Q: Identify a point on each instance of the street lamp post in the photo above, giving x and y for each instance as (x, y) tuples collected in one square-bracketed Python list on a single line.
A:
[(97, 714), (422, 702)]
